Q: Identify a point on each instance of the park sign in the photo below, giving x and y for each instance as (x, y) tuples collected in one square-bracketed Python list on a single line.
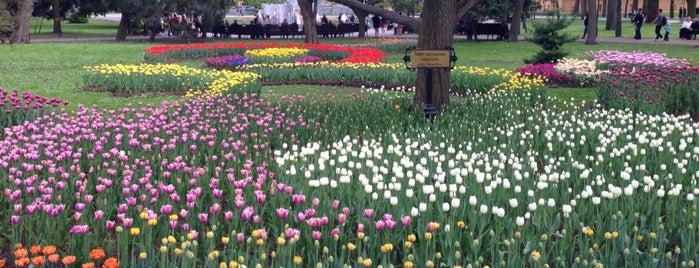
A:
[(429, 59)]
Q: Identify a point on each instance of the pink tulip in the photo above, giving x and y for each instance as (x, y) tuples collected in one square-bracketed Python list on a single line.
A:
[(166, 209), (98, 215), (240, 237), (79, 229), (341, 218), (248, 212), (14, 219), (228, 215), (316, 235), (369, 213), (110, 225), (290, 233), (336, 203), (282, 213), (379, 225), (203, 217), (405, 220)]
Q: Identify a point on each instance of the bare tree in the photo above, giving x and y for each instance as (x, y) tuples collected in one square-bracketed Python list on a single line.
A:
[(435, 30)]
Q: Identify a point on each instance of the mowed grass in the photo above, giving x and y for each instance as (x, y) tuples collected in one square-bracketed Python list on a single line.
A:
[(56, 69)]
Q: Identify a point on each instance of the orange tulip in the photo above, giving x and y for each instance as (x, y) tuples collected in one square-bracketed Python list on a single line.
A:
[(88, 265), (38, 260), (20, 253), (111, 263), (19, 245), (2, 263), (397, 106), (35, 250), (68, 260), (21, 262), (97, 254), (54, 258), (48, 250)]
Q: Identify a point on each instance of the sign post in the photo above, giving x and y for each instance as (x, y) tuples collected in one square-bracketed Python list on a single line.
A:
[(429, 59)]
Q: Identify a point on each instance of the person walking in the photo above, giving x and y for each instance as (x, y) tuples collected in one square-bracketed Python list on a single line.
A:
[(659, 21), (376, 24), (638, 22), (585, 23)]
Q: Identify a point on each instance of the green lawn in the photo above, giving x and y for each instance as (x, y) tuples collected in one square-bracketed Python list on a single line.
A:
[(42, 28)]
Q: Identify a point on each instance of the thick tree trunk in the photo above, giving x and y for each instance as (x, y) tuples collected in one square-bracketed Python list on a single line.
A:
[(634, 5), (516, 20), (309, 9), (611, 9), (361, 16), (22, 20), (592, 23), (651, 10), (691, 8), (437, 28), (57, 18), (124, 25)]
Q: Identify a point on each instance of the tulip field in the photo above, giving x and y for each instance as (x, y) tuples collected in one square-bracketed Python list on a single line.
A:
[(226, 177)]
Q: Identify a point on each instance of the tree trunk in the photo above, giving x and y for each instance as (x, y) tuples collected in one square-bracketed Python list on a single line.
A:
[(361, 16), (591, 23), (691, 8), (309, 9), (617, 18), (651, 10), (576, 7), (516, 19), (611, 9), (437, 28), (124, 26), (604, 7), (22, 20), (57, 18), (634, 5)]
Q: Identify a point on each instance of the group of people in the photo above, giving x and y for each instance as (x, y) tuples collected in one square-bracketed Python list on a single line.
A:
[(689, 26), (662, 27)]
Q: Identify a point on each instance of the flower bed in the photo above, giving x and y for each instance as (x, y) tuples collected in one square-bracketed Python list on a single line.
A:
[(200, 51), (168, 78), (235, 180), (27, 106)]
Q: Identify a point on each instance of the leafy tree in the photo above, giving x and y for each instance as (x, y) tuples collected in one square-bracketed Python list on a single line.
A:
[(547, 35), (435, 30)]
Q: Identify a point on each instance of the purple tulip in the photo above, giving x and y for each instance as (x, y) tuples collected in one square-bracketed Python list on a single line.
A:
[(14, 219)]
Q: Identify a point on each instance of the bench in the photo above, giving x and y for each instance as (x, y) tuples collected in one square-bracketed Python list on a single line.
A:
[(492, 31), (326, 30)]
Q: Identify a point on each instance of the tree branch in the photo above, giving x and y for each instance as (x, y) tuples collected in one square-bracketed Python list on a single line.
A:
[(411, 22), (464, 6)]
